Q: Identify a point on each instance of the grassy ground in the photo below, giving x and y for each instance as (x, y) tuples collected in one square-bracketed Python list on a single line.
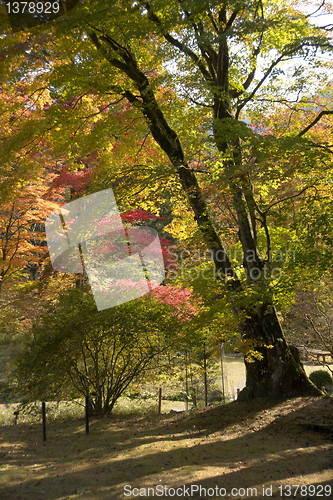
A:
[(239, 445), (234, 378), (71, 410)]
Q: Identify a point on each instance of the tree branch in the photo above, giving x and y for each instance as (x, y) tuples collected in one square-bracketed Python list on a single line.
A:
[(287, 54), (212, 20), (231, 20), (316, 120), (180, 45), (319, 335), (323, 3), (256, 52), (264, 212)]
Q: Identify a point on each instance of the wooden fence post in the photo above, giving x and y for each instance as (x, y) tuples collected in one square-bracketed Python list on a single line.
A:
[(87, 413), (205, 372), (44, 422), (160, 401)]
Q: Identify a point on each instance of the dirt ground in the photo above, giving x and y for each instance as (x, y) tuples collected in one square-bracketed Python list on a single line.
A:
[(250, 446)]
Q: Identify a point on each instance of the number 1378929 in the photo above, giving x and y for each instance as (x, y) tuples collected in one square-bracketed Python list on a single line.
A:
[(304, 490), (33, 7)]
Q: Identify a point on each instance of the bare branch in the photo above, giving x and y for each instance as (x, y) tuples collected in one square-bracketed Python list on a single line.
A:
[(318, 333), (286, 198), (103, 108), (287, 54), (323, 3), (316, 120), (204, 105), (257, 87)]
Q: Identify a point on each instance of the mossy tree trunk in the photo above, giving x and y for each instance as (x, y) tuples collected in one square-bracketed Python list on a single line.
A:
[(276, 371)]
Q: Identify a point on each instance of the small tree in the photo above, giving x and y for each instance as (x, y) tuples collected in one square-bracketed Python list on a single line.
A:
[(76, 349), (22, 235)]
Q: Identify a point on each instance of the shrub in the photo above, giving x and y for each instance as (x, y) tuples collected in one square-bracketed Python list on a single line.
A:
[(76, 349), (321, 378)]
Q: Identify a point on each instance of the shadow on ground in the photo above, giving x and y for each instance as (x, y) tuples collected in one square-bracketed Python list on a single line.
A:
[(239, 445)]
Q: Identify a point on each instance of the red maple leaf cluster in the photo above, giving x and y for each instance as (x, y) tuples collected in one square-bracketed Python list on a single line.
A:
[(138, 215), (179, 299), (77, 181)]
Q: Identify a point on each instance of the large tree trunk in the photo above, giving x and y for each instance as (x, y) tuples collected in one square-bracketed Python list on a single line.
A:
[(276, 370)]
